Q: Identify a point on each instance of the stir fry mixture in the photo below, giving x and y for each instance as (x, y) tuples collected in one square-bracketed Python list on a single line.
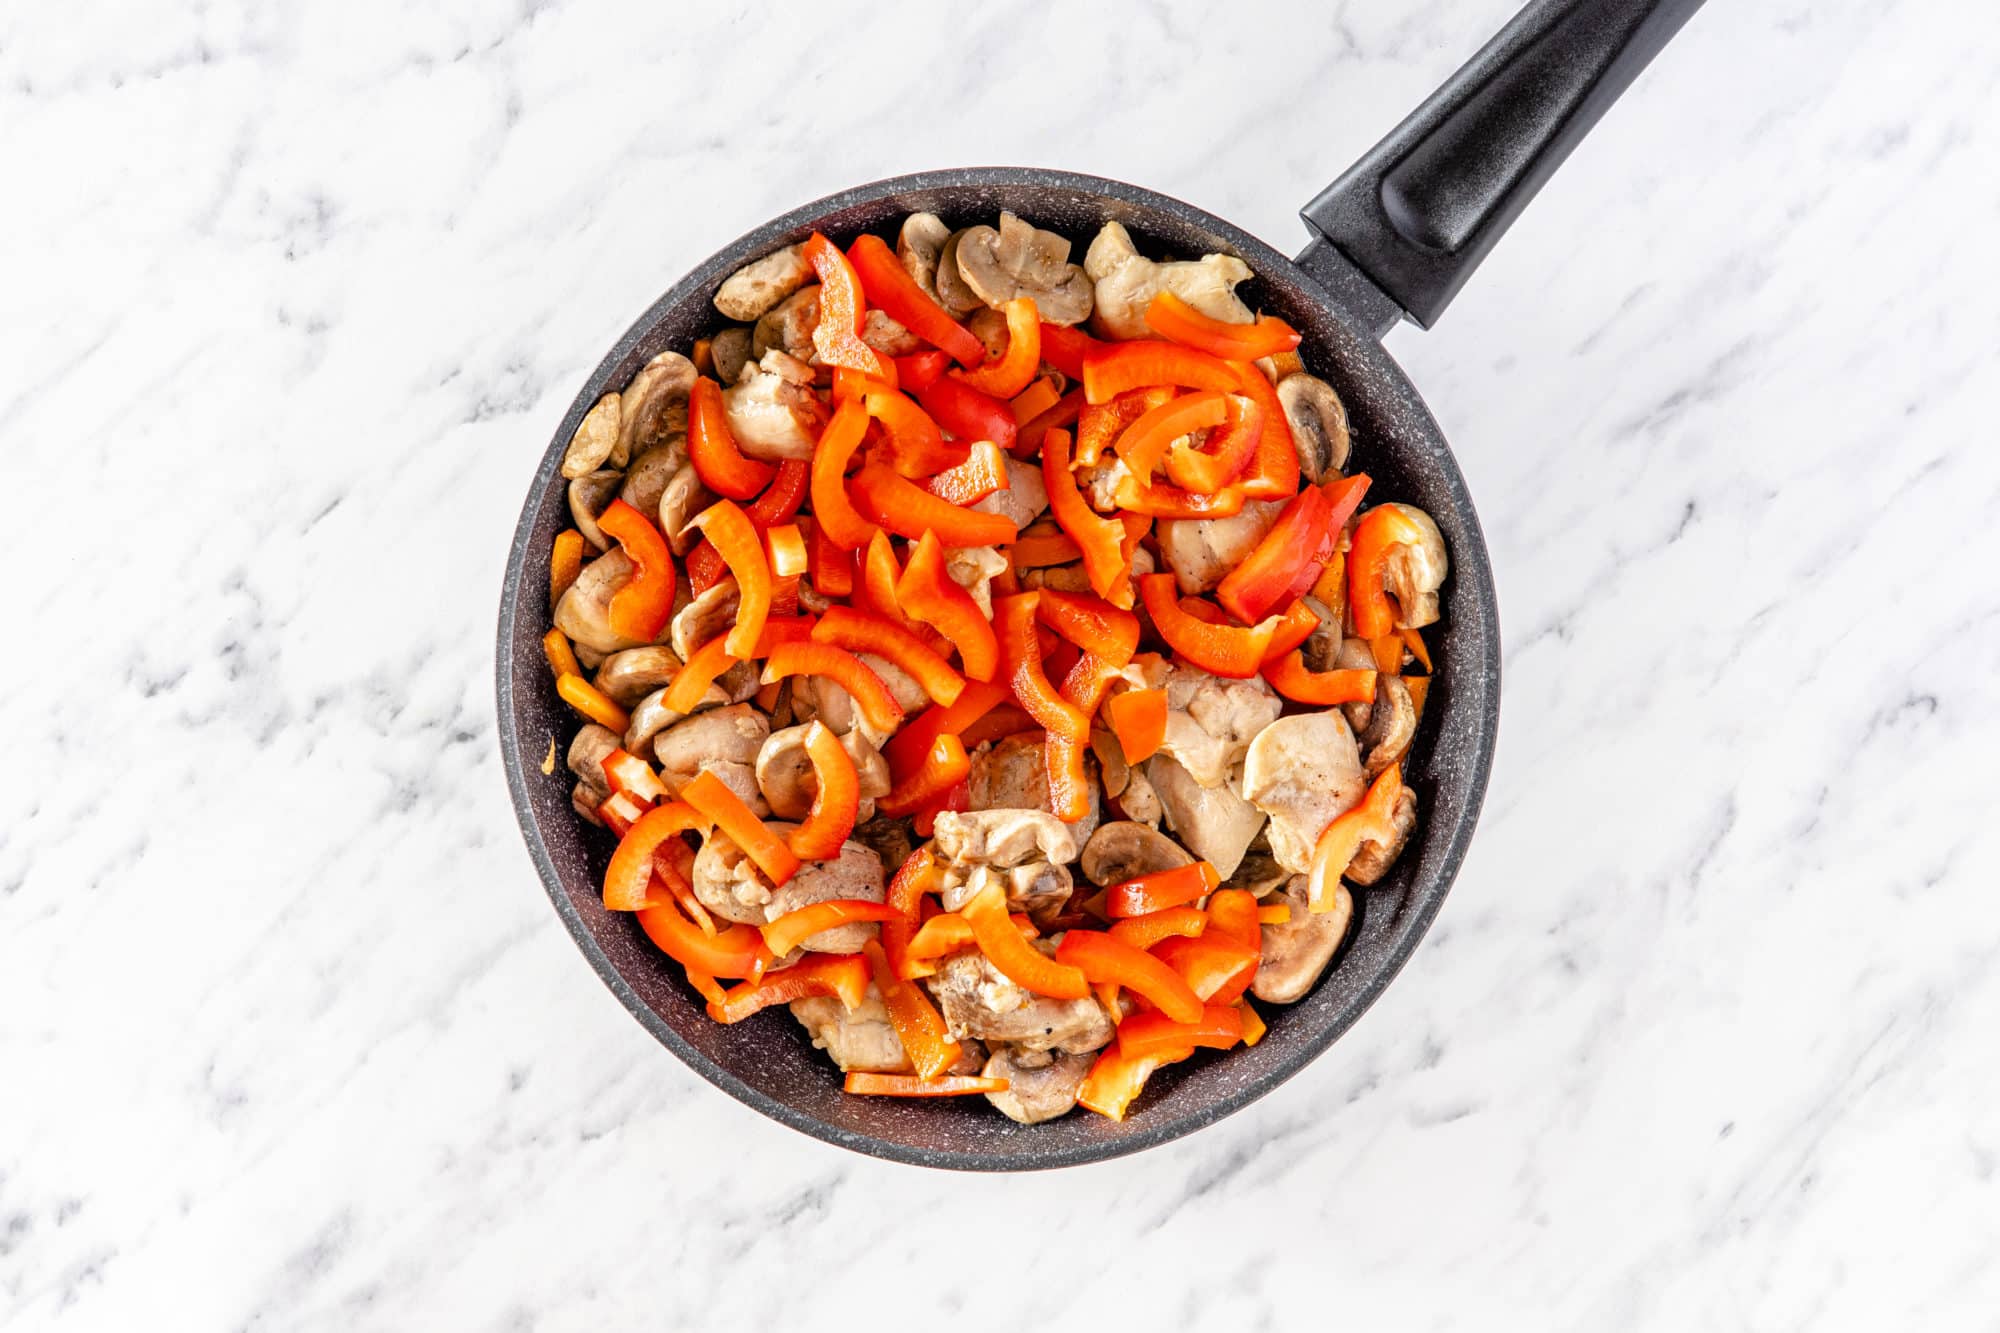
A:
[(989, 657)]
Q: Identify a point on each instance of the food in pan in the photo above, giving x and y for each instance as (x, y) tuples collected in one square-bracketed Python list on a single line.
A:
[(991, 658)]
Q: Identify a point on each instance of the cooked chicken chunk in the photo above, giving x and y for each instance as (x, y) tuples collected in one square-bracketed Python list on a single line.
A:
[(1025, 497), (977, 1001), (1215, 823), (863, 1040), (1012, 773), (729, 884), (723, 741), (1212, 720), (1303, 771), (1200, 551), (772, 411), (1027, 852)]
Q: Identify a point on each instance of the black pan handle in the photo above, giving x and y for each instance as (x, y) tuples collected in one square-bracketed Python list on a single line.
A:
[(1419, 211)]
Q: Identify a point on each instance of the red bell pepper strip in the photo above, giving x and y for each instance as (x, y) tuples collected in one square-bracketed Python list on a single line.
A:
[(785, 549), (620, 811), (709, 795), (1273, 473), (1143, 932), (629, 876), (706, 986), (781, 500), (1176, 320), (1224, 455), (1028, 440), (724, 524), (1069, 780), (1115, 1081), (1214, 968), (1161, 889), (1008, 374), (736, 952), (627, 772), (931, 595), (920, 370), (1031, 402), (843, 977), (833, 512), (713, 450), (909, 1085), (1219, 1026), (1139, 721), (916, 1020), (908, 510), (1065, 348), (969, 414), (1091, 623), (832, 568), (1105, 958), (1021, 664), (1294, 628), (1380, 531), (1289, 677), (980, 475), (907, 887), (853, 384), (1041, 548), (913, 445), (1099, 539), (1222, 650), (878, 707), (1007, 719), (641, 607), (793, 929), (908, 748), (860, 632), (1143, 444), (1165, 500), (891, 289), (705, 567), (1014, 957), (842, 310), (1285, 562), (945, 766), (1371, 821), (835, 802), (1114, 368), (1098, 425)]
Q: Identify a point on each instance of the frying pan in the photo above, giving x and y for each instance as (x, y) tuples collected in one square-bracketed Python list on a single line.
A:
[(1394, 237)]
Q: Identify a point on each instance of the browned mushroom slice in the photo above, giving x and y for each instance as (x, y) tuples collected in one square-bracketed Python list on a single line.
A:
[(1297, 951), (1123, 850), (1019, 259), (1374, 858), (596, 436), (953, 293), (586, 759), (712, 613), (762, 283), (1260, 874), (1319, 425), (1353, 655), (789, 325), (978, 1001), (772, 410), (1126, 283), (1302, 771), (1415, 571), (588, 495), (786, 777), (683, 498), (1392, 723), (862, 1040), (630, 676), (584, 612), (1040, 1085), (1200, 551), (651, 474), (651, 716), (654, 411), (820, 697), (723, 741), (730, 351), (919, 245)]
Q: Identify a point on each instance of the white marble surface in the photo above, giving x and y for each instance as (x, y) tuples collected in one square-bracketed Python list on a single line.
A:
[(291, 296)]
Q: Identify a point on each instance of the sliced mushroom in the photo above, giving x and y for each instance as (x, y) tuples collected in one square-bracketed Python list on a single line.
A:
[(1012, 773), (863, 1040), (1123, 850), (1373, 859), (855, 873), (1259, 873), (584, 612), (889, 838), (652, 473), (762, 283), (1319, 425), (588, 495), (635, 673), (1126, 283), (651, 716), (712, 613), (1322, 646), (596, 436), (1215, 823), (786, 777), (682, 499), (953, 293), (978, 1001), (1416, 571), (586, 759), (974, 568), (772, 412), (729, 350), (722, 741), (919, 245), (1024, 497), (1297, 951), (1200, 551), (789, 325), (655, 407), (1392, 723), (1020, 259), (1303, 771), (1211, 720), (1039, 1087), (1352, 655)]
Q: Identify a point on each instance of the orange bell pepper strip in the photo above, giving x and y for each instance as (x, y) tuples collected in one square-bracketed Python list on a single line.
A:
[(1253, 1024), (1161, 889), (844, 669), (782, 498), (853, 384), (861, 632), (891, 289), (1031, 402), (968, 414), (1014, 957), (1143, 932), (1065, 348), (793, 929), (916, 1020), (1040, 549), (1218, 1026), (641, 607), (908, 748), (842, 309), (1105, 958), (1285, 563), (562, 658), (1139, 721), (910, 1085), (1222, 650), (1380, 531), (876, 591), (1062, 754), (709, 795), (946, 933), (712, 447), (592, 702), (1021, 665), (565, 563), (1295, 626), (981, 474), (908, 510), (913, 879), (1098, 425), (1113, 368), (785, 549), (1115, 1081), (629, 876), (1143, 444), (833, 513), (842, 976), (724, 524), (945, 766), (705, 986), (1420, 689), (697, 674), (831, 567), (1028, 439), (835, 802), (928, 593), (1273, 473), (619, 812), (920, 370), (1289, 677), (1008, 374), (1414, 640), (627, 772), (1226, 453), (1100, 539), (913, 446), (1162, 499), (1215, 968), (1232, 915), (1091, 623), (1177, 321), (1371, 821), (736, 952)]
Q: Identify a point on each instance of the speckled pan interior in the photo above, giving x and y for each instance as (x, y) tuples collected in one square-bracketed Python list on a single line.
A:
[(766, 1062)]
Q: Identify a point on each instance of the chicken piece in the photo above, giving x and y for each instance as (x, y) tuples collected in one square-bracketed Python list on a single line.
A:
[(863, 1040), (586, 760), (1012, 773), (1026, 851), (1215, 823), (1303, 771), (772, 411), (1025, 497), (855, 873), (1041, 1086), (1211, 720), (1373, 859), (820, 697), (1200, 551), (1126, 283), (723, 741), (973, 568), (1297, 951), (977, 1001)]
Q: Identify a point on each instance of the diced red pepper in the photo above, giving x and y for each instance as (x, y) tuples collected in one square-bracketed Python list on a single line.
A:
[(1139, 721), (931, 595), (1008, 374), (1021, 663), (945, 765), (836, 800), (794, 928), (724, 524), (878, 707), (1031, 402), (1065, 348), (843, 977), (705, 567), (1285, 562), (713, 798), (908, 510), (627, 772), (832, 568), (1098, 425), (913, 446), (1371, 821), (642, 605), (969, 414), (1105, 958), (1232, 915), (891, 289), (629, 876), (1091, 623), (736, 952), (713, 450), (1215, 968), (980, 475), (843, 309), (1113, 368), (1014, 957), (833, 512), (1175, 319), (1221, 650), (620, 811), (1161, 889), (785, 548), (1219, 1026)]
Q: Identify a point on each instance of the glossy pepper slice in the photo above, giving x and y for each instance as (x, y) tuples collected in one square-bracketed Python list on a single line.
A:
[(565, 563), (1113, 368), (562, 658), (1273, 473), (782, 498), (969, 414), (910, 1085), (1040, 395), (1161, 889), (1040, 547), (1163, 499), (1139, 721), (843, 977), (1289, 677), (831, 567), (1116, 1081), (1218, 1026), (1098, 425), (1222, 650), (982, 473), (1380, 531), (1295, 626), (833, 512), (1105, 958), (1222, 458), (1285, 563), (878, 707), (908, 748), (713, 450), (1371, 821), (876, 591), (1143, 932), (908, 510), (699, 672), (1091, 623), (920, 370), (892, 290), (709, 795), (1028, 441), (927, 592), (1014, 957), (1100, 539), (1009, 373), (742, 549), (1021, 664), (1214, 968), (1232, 914), (1070, 786), (641, 607), (592, 702), (736, 952), (836, 800), (1143, 444), (861, 632), (945, 765), (1176, 320), (794, 928), (1065, 348), (916, 1020), (914, 446), (785, 549), (842, 309), (907, 887), (629, 876)]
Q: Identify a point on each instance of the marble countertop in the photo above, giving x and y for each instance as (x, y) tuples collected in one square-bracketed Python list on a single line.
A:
[(293, 296)]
